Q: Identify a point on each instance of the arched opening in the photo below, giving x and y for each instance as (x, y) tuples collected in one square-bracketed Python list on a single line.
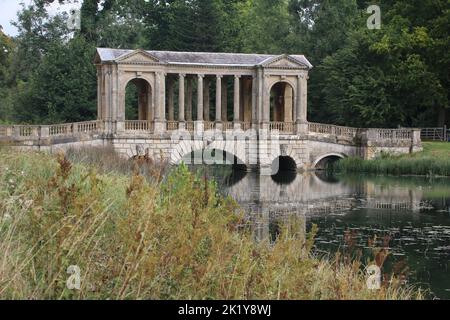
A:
[(327, 162), (213, 157), (284, 170), (138, 100), (282, 103), (226, 168)]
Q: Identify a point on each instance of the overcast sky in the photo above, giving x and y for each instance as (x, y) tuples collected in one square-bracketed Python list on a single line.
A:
[(9, 8)]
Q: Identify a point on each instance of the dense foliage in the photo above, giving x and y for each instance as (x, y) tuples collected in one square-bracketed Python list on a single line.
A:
[(398, 75)]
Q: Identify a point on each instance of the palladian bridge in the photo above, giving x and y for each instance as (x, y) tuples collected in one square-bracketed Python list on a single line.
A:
[(251, 107)]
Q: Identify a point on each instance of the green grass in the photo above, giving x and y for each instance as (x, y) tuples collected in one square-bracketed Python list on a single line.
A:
[(145, 238), (434, 160)]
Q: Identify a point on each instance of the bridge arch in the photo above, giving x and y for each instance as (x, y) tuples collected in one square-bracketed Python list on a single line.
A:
[(187, 147), (284, 163), (321, 162), (287, 155)]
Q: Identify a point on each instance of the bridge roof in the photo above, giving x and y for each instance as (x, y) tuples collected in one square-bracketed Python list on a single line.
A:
[(202, 58)]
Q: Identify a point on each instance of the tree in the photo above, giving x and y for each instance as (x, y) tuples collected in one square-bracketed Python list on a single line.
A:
[(6, 48), (389, 77), (64, 85), (266, 26)]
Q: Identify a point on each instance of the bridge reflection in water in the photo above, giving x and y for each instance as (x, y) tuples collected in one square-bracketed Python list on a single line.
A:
[(270, 201), (412, 212)]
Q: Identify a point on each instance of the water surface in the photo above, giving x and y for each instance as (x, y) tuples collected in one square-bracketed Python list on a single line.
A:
[(410, 216)]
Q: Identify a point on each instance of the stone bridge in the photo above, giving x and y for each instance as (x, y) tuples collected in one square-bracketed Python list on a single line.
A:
[(255, 115)]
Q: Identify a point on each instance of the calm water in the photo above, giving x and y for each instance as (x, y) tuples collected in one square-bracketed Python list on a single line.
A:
[(410, 215)]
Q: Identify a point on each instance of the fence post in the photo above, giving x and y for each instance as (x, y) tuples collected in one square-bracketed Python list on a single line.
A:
[(445, 133)]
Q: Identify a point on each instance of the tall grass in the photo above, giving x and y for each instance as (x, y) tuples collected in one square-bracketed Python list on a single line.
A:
[(137, 238), (424, 166), (433, 161)]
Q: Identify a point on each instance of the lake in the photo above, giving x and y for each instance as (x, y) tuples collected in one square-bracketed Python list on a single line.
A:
[(408, 216)]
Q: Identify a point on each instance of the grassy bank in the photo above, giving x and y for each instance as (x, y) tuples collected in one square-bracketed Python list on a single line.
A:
[(433, 161), (158, 238)]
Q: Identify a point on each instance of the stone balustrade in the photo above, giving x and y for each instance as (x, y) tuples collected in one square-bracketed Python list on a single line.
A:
[(282, 127), (171, 125), (351, 136), (190, 126), (209, 125), (61, 130), (389, 134), (35, 132), (138, 125), (228, 126), (329, 129)]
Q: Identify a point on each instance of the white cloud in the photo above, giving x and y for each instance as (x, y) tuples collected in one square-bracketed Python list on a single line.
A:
[(9, 9)]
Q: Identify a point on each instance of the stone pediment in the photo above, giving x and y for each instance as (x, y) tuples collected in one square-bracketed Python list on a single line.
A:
[(138, 57), (284, 62)]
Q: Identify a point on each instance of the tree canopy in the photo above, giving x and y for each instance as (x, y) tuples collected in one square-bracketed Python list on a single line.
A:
[(395, 76)]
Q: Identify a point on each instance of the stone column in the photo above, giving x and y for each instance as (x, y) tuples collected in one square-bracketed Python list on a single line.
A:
[(117, 108), (254, 102), (150, 113), (224, 101), (301, 101), (108, 100), (188, 103), (99, 94), (199, 124), (181, 98), (160, 108), (219, 102), (170, 99), (264, 96), (263, 115), (206, 100), (237, 100)]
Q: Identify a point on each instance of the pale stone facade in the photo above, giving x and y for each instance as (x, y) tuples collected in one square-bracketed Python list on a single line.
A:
[(163, 77), (188, 102)]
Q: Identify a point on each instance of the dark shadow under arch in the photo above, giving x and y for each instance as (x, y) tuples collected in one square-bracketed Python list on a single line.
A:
[(285, 170), (229, 173), (223, 157), (327, 162)]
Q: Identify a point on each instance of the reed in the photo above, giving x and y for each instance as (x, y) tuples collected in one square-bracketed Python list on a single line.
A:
[(433, 161)]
